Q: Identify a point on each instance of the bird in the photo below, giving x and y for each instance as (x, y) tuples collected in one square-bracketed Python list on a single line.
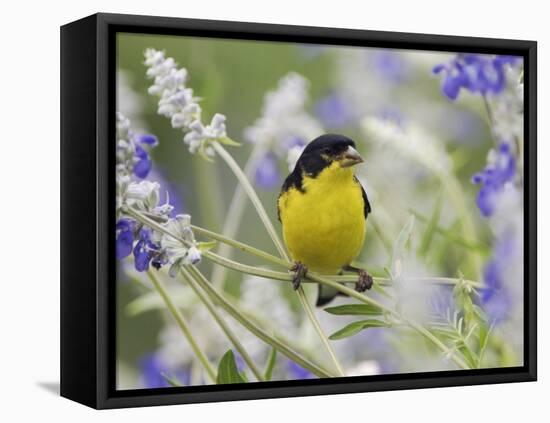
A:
[(323, 209)]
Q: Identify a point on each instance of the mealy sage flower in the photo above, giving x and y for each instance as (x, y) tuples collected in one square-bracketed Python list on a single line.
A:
[(132, 152), (148, 246), (179, 104), (178, 252), (200, 134), (284, 128)]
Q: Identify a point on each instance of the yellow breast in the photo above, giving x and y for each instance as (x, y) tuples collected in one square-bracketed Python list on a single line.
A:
[(324, 227)]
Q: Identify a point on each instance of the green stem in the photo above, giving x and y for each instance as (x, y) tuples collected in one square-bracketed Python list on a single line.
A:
[(311, 314), (239, 174), (223, 326), (249, 190), (234, 214), (272, 274), (178, 317), (416, 326), (207, 180), (257, 331), (240, 245), (330, 281)]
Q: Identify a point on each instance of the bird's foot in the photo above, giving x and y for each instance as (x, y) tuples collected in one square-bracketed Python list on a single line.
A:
[(364, 281), (300, 272)]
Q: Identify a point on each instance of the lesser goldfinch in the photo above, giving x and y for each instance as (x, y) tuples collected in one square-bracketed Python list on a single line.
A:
[(323, 209)]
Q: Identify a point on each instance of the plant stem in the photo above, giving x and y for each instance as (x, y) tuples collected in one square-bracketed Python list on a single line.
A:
[(240, 245), (311, 276), (259, 332), (272, 274), (249, 190), (178, 317), (234, 214), (239, 174), (419, 328), (223, 326), (311, 314)]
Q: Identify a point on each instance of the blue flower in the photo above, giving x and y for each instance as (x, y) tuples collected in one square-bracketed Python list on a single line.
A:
[(390, 65), (493, 179), (495, 297), (298, 372), (152, 370), (267, 172), (124, 238), (293, 141), (333, 111), (145, 251), (143, 162), (476, 73)]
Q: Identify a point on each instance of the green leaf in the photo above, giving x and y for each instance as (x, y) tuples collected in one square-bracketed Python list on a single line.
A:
[(453, 236), (400, 247), (202, 153), (228, 371), (354, 310), (469, 356), (207, 245), (229, 141), (270, 364), (356, 327), (431, 227), (483, 334)]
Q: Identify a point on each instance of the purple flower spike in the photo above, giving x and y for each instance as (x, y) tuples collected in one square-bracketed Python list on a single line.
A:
[(333, 111), (148, 139), (476, 73), (298, 372), (493, 179), (124, 238), (267, 172), (152, 369), (495, 297), (145, 251), (143, 167)]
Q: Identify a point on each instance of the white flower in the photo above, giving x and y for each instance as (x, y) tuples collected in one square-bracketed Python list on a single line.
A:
[(179, 252), (122, 125), (142, 195), (284, 119), (200, 134), (411, 141), (178, 103)]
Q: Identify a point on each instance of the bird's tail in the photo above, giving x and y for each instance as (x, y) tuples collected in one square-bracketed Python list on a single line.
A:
[(326, 294)]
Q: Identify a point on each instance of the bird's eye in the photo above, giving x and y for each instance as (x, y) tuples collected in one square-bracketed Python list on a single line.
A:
[(326, 150)]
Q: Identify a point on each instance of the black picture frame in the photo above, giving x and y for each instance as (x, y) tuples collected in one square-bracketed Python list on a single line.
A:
[(87, 212)]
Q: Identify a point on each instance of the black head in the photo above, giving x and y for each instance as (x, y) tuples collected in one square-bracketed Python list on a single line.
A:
[(327, 149), (329, 145), (320, 153)]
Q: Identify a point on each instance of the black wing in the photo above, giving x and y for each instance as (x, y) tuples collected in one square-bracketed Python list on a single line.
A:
[(293, 180), (366, 206)]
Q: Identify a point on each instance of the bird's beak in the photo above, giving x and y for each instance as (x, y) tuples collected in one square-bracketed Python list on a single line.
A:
[(350, 157)]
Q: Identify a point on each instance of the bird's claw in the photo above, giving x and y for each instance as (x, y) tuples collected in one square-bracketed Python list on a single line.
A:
[(300, 271), (364, 282)]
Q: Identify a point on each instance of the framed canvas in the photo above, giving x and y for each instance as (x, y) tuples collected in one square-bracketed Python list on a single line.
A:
[(256, 211)]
